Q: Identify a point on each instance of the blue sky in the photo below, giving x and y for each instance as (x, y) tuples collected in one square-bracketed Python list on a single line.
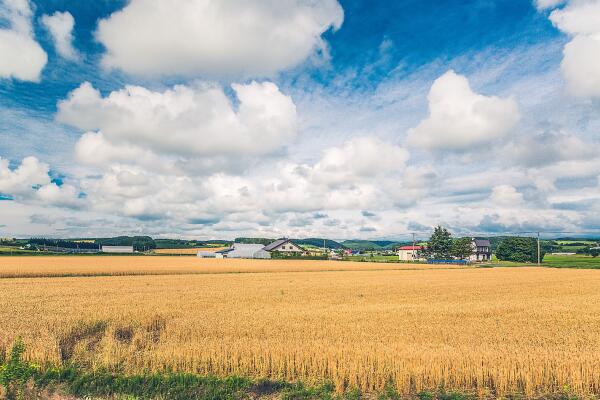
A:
[(345, 119)]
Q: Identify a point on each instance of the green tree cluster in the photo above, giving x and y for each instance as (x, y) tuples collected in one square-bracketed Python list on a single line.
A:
[(441, 246), (518, 249)]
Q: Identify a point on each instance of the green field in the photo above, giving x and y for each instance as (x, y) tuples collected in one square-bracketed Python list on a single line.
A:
[(13, 250), (556, 261), (571, 261), (376, 258)]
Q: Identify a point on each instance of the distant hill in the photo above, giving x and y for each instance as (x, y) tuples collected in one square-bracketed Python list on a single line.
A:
[(318, 242), (186, 244), (373, 244), (361, 245), (248, 240)]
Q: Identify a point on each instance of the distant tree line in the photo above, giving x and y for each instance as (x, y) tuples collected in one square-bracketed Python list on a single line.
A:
[(139, 243), (66, 244)]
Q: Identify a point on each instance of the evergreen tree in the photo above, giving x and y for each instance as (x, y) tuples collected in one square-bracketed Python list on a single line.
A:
[(462, 248), (440, 244)]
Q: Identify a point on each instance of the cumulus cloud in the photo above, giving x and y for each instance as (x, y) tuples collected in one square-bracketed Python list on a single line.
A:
[(506, 195), (31, 182), (459, 118), (197, 120), (216, 38), (358, 159), (22, 57), (20, 180), (581, 56), (60, 26), (60, 196), (333, 182)]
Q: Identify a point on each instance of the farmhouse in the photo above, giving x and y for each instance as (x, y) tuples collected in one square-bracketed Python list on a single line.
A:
[(409, 253), (284, 246), (482, 250), (117, 249)]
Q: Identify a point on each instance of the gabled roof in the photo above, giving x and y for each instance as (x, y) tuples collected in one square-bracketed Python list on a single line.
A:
[(279, 242), (276, 244), (482, 243)]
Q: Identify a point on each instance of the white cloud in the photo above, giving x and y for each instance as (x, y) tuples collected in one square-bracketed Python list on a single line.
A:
[(460, 118), (191, 121), (21, 57), (232, 38), (30, 182), (21, 180), (60, 25), (581, 56), (506, 195), (546, 4), (359, 159), (60, 196), (547, 149)]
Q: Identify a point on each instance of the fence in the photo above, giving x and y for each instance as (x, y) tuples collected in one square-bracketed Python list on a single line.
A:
[(459, 262)]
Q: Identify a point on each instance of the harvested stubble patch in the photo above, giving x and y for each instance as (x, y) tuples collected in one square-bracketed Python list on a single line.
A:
[(500, 331)]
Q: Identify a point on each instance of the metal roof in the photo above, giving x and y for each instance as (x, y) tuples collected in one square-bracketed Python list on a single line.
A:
[(482, 243), (244, 250), (276, 244), (411, 248)]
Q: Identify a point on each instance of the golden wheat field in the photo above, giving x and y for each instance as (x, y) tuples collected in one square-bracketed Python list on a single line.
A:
[(485, 330), (55, 266)]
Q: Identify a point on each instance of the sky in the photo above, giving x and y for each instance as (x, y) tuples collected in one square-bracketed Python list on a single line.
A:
[(299, 118)]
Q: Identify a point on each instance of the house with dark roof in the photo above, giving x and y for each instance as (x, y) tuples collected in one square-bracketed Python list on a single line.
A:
[(284, 246), (482, 250)]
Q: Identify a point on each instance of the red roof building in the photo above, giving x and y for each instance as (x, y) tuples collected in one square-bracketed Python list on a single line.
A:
[(409, 253), (411, 248)]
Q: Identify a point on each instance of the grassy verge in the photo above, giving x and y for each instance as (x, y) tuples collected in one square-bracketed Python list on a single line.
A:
[(57, 382)]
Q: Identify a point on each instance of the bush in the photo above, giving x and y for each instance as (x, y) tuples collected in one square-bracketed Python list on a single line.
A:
[(16, 372)]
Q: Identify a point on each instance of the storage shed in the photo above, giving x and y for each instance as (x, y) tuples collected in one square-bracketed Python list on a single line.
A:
[(117, 249)]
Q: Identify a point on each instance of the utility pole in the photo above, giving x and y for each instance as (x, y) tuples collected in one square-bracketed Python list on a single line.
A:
[(413, 249), (538, 250)]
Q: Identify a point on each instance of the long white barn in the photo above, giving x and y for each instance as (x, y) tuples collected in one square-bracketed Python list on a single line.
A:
[(248, 250)]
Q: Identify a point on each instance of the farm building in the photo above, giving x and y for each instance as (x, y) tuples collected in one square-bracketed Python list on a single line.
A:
[(244, 250), (284, 246), (117, 249), (238, 250), (409, 253), (482, 250)]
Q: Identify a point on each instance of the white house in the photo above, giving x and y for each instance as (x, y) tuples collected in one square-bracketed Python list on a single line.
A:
[(117, 249), (482, 250), (409, 253)]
